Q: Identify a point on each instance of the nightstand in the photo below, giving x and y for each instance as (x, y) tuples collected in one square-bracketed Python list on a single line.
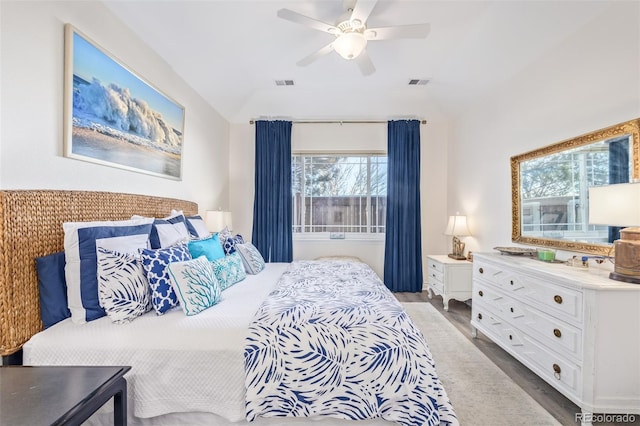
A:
[(449, 277)]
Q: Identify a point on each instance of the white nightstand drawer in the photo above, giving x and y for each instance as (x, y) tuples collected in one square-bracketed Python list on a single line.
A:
[(435, 265)]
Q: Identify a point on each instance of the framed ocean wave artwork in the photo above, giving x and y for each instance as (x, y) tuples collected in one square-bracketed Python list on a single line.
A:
[(114, 117)]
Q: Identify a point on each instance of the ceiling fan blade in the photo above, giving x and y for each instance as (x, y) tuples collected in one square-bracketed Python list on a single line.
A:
[(315, 55), (361, 11), (364, 63), (400, 31), (292, 16)]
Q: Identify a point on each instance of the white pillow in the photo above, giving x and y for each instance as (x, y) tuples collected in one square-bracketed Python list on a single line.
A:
[(195, 284), (81, 259), (251, 258)]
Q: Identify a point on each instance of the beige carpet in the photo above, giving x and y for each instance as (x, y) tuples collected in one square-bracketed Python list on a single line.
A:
[(480, 392)]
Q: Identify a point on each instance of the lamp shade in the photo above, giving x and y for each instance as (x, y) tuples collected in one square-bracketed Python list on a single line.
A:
[(350, 45), (216, 220), (457, 226), (615, 205)]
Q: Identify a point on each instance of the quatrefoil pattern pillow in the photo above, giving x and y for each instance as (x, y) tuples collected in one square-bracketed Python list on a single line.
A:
[(155, 264)]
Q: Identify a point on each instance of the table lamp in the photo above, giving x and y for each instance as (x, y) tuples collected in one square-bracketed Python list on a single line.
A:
[(619, 205), (216, 220), (457, 227)]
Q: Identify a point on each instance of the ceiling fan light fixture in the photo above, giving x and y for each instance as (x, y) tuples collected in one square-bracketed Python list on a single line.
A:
[(350, 45)]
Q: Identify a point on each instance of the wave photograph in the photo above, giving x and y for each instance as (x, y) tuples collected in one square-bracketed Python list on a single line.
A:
[(118, 118)]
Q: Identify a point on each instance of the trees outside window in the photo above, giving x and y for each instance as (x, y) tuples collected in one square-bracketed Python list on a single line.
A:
[(339, 193)]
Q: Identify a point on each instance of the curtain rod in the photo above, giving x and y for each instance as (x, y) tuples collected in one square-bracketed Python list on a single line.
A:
[(339, 121)]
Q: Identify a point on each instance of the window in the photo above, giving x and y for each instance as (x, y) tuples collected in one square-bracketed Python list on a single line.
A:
[(339, 193)]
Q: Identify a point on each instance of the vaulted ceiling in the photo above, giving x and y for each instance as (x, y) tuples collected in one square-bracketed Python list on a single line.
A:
[(232, 53)]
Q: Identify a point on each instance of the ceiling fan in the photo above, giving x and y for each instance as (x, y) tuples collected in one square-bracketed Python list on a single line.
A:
[(351, 33)]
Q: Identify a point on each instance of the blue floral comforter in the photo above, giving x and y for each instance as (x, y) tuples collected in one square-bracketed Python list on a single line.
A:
[(331, 340)]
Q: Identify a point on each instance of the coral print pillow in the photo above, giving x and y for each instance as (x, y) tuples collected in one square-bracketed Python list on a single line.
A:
[(195, 284), (155, 264)]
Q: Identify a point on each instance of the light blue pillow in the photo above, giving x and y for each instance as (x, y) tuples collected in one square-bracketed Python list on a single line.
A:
[(123, 289), (80, 241), (195, 284), (229, 270), (251, 258), (209, 248), (155, 263)]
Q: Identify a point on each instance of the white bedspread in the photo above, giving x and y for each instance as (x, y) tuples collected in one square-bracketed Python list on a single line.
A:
[(157, 347)]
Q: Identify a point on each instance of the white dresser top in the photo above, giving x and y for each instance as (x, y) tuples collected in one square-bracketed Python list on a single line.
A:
[(592, 277)]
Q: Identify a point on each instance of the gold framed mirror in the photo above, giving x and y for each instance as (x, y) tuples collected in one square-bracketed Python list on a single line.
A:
[(549, 188)]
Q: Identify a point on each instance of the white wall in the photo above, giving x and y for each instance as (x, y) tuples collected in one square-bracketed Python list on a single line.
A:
[(346, 137), (589, 81), (31, 144)]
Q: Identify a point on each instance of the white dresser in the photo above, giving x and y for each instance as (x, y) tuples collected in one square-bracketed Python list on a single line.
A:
[(448, 277), (575, 328)]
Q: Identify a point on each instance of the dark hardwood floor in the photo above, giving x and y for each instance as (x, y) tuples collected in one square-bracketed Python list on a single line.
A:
[(555, 403)]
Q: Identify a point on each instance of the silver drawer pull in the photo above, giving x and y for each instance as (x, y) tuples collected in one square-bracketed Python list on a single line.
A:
[(557, 299), (556, 371), (557, 332)]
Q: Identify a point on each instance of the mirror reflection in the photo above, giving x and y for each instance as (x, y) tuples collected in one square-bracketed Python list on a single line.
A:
[(550, 188)]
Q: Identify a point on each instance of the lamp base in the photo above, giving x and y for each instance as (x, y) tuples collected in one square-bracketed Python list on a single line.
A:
[(624, 278), (457, 256)]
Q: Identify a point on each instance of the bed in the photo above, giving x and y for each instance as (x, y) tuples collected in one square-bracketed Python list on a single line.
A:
[(228, 364)]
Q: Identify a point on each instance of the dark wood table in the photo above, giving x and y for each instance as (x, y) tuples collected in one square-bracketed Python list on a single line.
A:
[(56, 395)]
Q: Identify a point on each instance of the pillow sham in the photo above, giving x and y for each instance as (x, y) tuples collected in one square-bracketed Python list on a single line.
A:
[(53, 289), (209, 247), (80, 240), (123, 289), (251, 258), (168, 231), (155, 263), (195, 225), (229, 270), (195, 284)]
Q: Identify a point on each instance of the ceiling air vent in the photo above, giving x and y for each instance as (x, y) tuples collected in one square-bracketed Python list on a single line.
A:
[(284, 83), (416, 82)]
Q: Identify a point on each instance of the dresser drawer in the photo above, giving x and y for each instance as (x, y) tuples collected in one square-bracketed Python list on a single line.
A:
[(558, 335), (553, 299), (549, 365)]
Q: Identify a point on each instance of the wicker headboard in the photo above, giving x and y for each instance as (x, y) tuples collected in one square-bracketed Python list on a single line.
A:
[(31, 226)]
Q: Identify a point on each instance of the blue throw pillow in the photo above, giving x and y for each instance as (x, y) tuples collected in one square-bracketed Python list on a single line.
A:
[(230, 243), (53, 289), (155, 264), (209, 248)]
